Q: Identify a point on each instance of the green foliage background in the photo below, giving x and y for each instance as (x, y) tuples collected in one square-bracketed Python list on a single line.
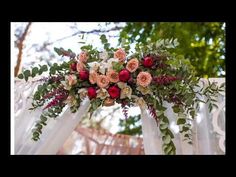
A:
[(203, 43)]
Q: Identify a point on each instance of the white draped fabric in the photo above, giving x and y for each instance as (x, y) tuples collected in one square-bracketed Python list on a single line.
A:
[(208, 129)]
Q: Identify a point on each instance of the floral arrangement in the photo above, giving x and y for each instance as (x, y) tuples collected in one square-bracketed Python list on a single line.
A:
[(147, 78)]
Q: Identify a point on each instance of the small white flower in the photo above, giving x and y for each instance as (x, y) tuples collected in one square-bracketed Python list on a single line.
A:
[(126, 92), (94, 66), (82, 93), (102, 93), (103, 67), (144, 90), (66, 85), (103, 55)]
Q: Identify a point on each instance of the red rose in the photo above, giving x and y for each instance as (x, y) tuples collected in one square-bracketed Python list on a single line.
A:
[(114, 92), (148, 62), (124, 75), (84, 75), (73, 66), (92, 92)]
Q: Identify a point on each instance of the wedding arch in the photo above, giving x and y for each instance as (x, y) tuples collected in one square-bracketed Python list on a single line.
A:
[(158, 81)]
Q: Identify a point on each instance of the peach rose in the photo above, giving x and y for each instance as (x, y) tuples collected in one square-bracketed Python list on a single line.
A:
[(144, 79), (83, 56), (72, 79), (93, 77), (102, 81), (120, 54), (132, 65), (80, 66), (113, 76)]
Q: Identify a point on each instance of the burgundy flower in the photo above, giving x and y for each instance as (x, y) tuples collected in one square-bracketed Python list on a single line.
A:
[(73, 66), (114, 92), (84, 75), (92, 92), (124, 75), (148, 62)]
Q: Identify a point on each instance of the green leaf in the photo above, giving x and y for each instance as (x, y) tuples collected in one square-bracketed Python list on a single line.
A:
[(192, 113), (186, 135), (163, 126), (168, 149), (159, 113), (184, 129), (35, 134), (176, 109), (20, 76), (170, 133), (165, 119), (215, 105), (35, 70), (43, 118), (39, 126), (44, 67), (117, 66), (166, 139), (26, 74), (181, 121), (222, 85), (52, 70), (37, 95), (103, 39), (58, 51), (106, 46)]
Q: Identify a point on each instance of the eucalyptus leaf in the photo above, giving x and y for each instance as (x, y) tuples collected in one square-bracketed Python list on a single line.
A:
[(20, 76), (163, 126), (181, 121), (166, 139)]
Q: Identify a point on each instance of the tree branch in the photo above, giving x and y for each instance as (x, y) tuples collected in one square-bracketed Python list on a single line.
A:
[(20, 46), (85, 32)]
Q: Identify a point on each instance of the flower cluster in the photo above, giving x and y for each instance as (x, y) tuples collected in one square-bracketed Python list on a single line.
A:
[(146, 78), (108, 83)]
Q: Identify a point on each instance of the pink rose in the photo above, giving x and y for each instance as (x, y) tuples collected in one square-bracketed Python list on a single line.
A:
[(102, 81), (80, 66), (113, 76), (120, 54), (144, 79), (132, 65), (83, 56), (93, 77)]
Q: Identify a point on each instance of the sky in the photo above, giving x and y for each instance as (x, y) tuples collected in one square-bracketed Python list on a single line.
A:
[(52, 31)]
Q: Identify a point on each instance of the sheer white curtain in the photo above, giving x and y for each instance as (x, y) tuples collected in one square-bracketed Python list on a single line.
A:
[(208, 129), (56, 131)]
